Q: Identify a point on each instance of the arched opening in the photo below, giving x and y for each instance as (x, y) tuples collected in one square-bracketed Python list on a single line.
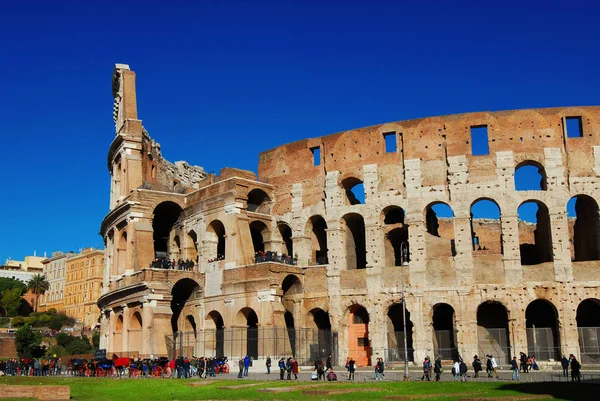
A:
[(190, 326), (216, 319), (486, 229), (286, 236), (118, 335), (176, 248), (316, 229), (135, 333), (395, 333), (165, 216), (439, 220), (588, 328), (542, 330), (215, 234), (444, 332), (251, 320), (260, 234), (530, 176), (396, 233), (324, 345), (291, 288), (354, 237), (258, 201), (192, 246), (359, 345), (291, 332), (584, 228), (492, 331), (535, 238), (181, 293), (355, 191), (122, 253)]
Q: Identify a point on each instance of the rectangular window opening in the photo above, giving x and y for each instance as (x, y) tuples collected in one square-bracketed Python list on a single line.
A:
[(574, 127), (390, 142), (316, 152), (363, 341), (479, 140)]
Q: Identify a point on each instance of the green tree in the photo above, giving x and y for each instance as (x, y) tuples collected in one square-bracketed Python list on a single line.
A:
[(74, 345), (96, 339), (11, 300), (10, 283), (38, 285), (28, 342)]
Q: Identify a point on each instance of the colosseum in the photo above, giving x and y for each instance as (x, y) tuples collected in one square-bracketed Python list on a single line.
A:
[(466, 234)]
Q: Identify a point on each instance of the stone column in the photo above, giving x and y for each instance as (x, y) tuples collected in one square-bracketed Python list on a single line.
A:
[(464, 250), (105, 329), (422, 343), (563, 270), (146, 328), (125, 336), (303, 248), (510, 245), (418, 252)]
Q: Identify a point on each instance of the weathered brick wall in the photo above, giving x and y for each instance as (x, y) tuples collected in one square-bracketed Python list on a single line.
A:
[(39, 392)]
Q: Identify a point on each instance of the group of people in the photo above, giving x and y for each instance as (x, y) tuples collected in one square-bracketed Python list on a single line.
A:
[(244, 365), (217, 259), (31, 367), (270, 256), (164, 263), (575, 366)]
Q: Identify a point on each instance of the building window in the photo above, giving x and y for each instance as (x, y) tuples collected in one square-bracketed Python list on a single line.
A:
[(479, 140)]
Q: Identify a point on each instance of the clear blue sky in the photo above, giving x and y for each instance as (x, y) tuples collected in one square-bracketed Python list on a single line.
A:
[(220, 81)]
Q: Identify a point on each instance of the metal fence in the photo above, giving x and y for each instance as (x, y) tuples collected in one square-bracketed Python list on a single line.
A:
[(541, 343), (305, 345), (589, 344), (494, 341), (395, 349)]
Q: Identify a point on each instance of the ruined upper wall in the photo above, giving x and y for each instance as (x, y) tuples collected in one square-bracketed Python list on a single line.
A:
[(442, 146)]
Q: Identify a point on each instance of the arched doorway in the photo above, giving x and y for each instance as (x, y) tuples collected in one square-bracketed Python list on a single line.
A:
[(359, 345), (251, 320), (135, 334), (181, 293), (316, 229), (258, 201), (542, 330), (584, 231), (325, 344), (396, 233), (439, 220), (354, 238), (588, 327), (492, 331), (192, 246), (444, 332), (530, 176), (260, 234), (395, 334), (122, 252), (215, 321), (292, 293), (215, 234), (535, 238), (286, 236), (486, 227), (118, 335), (165, 216), (355, 191)]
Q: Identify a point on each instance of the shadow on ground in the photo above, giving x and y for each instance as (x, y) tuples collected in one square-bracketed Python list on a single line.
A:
[(565, 390)]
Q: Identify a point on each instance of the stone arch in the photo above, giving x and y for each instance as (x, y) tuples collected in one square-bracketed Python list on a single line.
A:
[(164, 217), (285, 232), (354, 189), (248, 317), (118, 334), (588, 328), (176, 248), (492, 330), (316, 229), (259, 201), (122, 252), (189, 325), (215, 237), (535, 237), (396, 334), (319, 319), (543, 339), (261, 235), (444, 331), (486, 227), (192, 246), (181, 293), (396, 233), (439, 221), (530, 175), (353, 228), (584, 232), (214, 321), (135, 332), (359, 346)]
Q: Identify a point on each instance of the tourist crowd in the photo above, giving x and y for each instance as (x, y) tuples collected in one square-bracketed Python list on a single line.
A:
[(269, 256), (164, 263)]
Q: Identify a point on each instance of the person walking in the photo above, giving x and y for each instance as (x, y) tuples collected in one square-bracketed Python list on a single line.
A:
[(351, 369), (564, 362), (514, 365), (246, 365), (329, 363), (575, 370), (494, 366), (477, 367), (241, 365), (295, 368), (523, 359), (426, 369), (456, 370), (462, 367), (437, 368), (282, 369), (268, 365), (288, 368)]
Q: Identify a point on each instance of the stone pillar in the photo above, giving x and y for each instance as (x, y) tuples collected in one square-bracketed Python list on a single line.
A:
[(510, 245), (125, 336), (567, 322), (374, 240), (371, 182), (464, 250), (418, 252), (377, 330), (146, 328), (105, 329), (108, 263), (303, 248), (563, 270), (422, 337)]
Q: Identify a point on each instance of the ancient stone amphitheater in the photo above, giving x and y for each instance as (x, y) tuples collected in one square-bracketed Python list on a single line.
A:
[(487, 222)]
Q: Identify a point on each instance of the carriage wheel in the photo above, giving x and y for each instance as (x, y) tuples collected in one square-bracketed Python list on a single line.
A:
[(157, 372), (225, 368), (100, 372)]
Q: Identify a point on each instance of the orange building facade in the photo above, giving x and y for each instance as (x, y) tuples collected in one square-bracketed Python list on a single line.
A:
[(83, 284)]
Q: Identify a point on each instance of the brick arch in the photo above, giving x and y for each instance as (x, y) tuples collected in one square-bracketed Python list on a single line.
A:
[(175, 278), (132, 313)]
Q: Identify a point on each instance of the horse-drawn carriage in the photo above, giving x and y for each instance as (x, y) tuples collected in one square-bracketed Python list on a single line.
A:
[(161, 368)]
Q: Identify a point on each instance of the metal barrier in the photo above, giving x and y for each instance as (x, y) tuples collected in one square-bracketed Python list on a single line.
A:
[(589, 344), (305, 345)]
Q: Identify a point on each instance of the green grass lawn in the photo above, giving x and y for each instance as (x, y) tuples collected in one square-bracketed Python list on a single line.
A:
[(83, 389)]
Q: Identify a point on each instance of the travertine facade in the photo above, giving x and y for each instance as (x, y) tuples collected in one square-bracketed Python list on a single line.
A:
[(474, 284), (83, 286), (55, 271)]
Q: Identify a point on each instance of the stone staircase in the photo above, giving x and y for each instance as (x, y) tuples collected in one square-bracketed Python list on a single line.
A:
[(7, 346)]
